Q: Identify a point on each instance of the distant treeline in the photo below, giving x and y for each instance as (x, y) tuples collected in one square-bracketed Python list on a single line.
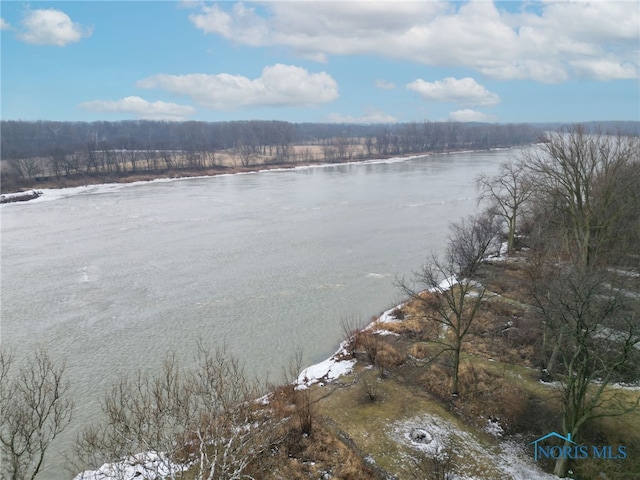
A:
[(22, 139), (33, 151)]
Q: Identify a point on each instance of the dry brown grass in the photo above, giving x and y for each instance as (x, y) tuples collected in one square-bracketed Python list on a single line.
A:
[(436, 380), (483, 394), (367, 345), (510, 279), (390, 356), (313, 457), (420, 350), (486, 393), (296, 453), (378, 350), (411, 326)]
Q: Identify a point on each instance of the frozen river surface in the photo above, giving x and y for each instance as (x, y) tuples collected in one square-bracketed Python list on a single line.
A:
[(112, 277)]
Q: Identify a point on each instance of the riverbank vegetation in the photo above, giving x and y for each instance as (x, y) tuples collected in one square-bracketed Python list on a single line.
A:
[(65, 154), (528, 323)]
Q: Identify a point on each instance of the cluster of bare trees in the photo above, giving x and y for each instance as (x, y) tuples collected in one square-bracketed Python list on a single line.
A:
[(585, 230), (102, 159), (35, 407), (206, 421), (32, 150), (575, 202)]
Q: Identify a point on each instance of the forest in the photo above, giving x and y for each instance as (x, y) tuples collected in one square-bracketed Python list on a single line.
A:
[(47, 153), (42, 138), (59, 153)]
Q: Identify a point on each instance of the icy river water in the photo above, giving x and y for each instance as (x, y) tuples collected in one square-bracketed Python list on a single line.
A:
[(112, 277)]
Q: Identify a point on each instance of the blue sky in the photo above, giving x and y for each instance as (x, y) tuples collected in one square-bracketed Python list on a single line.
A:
[(326, 61)]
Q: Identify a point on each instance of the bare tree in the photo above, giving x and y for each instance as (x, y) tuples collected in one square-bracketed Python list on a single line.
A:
[(447, 287), (329, 151), (56, 159), (200, 424), (581, 175), (596, 336), (369, 143), (168, 157), (71, 163), (246, 154), (27, 167), (35, 407), (208, 158), (351, 326), (437, 465), (506, 194), (298, 393)]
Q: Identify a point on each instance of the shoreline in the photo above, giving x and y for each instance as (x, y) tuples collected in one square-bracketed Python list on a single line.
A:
[(37, 190), (34, 189)]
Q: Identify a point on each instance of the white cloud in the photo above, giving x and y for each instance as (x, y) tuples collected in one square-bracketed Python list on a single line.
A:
[(385, 85), (605, 69), (50, 27), (141, 108), (541, 44), (468, 115), (465, 91), (589, 21), (370, 116), (4, 25), (241, 24), (278, 86)]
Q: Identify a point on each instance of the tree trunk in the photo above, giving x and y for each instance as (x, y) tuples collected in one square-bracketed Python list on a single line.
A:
[(554, 354), (512, 235), (560, 468), (456, 367)]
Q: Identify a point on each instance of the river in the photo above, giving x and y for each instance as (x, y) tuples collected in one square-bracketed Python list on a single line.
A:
[(112, 277)]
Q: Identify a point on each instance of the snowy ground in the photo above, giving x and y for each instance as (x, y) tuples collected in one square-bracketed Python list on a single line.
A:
[(20, 196), (431, 435), (143, 466), (326, 371)]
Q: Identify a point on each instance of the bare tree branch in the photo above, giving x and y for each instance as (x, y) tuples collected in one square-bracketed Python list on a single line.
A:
[(35, 406)]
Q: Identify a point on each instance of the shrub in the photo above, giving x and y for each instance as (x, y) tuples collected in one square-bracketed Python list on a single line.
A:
[(419, 350), (369, 343), (370, 389)]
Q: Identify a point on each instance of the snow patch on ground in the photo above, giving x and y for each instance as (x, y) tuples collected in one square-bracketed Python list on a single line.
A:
[(445, 285), (626, 386), (20, 196), (620, 385), (142, 466), (326, 371), (388, 317), (434, 436), (494, 428), (385, 332)]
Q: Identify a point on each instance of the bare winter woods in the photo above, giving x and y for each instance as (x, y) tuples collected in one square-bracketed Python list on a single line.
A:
[(570, 209), (33, 152)]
